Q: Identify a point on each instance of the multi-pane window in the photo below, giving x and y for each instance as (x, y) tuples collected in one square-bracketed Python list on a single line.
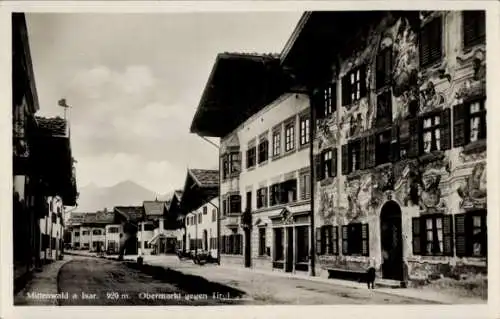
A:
[(276, 143), (471, 234), (262, 197), (384, 108), (355, 240), (431, 129), (199, 218), (263, 150), (354, 85), (430, 42), (235, 204), (283, 193), (113, 230), (289, 137), (77, 234), (327, 242), (96, 232), (305, 186), (432, 235), (383, 147), (473, 27), (329, 95), (230, 164), (304, 130), (262, 241), (251, 157), (327, 169), (232, 244), (354, 156)]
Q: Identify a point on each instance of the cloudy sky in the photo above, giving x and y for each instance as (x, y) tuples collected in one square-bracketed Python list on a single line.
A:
[(134, 82)]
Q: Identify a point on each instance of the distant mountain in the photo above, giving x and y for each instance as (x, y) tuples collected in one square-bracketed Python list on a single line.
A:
[(126, 193)]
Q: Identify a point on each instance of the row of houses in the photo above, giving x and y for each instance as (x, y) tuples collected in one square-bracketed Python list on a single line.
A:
[(362, 143), (146, 229), (44, 181)]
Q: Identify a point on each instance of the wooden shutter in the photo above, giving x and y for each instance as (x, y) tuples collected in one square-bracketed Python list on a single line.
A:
[(394, 155), (459, 125), (318, 102), (445, 129), (370, 151), (345, 159), (346, 92), (319, 242), (448, 235), (363, 155), (461, 235), (365, 248), (345, 248), (413, 130), (318, 159), (363, 84), (473, 27), (334, 162), (335, 239), (431, 42), (416, 236)]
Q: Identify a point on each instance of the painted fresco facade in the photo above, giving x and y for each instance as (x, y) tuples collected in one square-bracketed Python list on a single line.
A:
[(400, 158), (270, 183)]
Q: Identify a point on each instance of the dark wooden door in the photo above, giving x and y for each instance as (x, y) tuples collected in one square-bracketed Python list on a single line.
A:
[(248, 249), (289, 248), (392, 246)]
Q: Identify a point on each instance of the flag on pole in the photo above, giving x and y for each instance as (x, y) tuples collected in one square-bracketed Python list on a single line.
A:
[(62, 102)]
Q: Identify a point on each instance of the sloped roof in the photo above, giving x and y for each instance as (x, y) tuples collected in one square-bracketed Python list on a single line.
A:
[(76, 217), (205, 177), (132, 213), (54, 126), (98, 218), (153, 207)]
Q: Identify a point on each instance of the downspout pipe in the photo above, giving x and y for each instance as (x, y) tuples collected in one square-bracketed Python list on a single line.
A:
[(312, 132)]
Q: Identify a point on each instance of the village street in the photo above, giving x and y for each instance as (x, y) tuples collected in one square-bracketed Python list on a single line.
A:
[(167, 281)]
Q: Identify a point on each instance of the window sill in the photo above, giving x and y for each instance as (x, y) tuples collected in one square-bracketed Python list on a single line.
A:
[(431, 157), (276, 157), (475, 147)]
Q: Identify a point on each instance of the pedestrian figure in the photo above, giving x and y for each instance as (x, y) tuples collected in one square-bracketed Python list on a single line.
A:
[(370, 274)]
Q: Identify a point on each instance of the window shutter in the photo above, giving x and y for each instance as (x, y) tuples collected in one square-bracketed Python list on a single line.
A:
[(416, 236), (394, 156), (318, 159), (413, 130), (473, 27), (365, 249), (445, 129), (431, 42), (335, 239), (319, 245), (363, 84), (460, 235), (345, 159), (334, 162), (318, 101), (363, 153), (370, 151), (345, 248), (459, 131), (448, 235), (346, 95)]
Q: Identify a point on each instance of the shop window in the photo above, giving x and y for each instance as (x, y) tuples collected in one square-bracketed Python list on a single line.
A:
[(354, 86), (278, 245), (251, 157), (262, 197), (432, 235), (471, 234), (263, 150), (355, 240), (289, 137), (431, 42), (473, 28), (469, 122)]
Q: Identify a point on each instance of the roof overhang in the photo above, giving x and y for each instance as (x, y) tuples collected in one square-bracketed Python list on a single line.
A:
[(239, 85), (311, 54), (195, 195)]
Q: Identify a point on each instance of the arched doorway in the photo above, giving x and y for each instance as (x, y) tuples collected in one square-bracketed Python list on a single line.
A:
[(391, 240)]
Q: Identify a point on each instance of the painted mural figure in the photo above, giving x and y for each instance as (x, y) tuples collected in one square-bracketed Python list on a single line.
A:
[(475, 188)]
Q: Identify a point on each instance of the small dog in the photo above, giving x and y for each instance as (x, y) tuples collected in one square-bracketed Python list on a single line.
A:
[(370, 277)]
